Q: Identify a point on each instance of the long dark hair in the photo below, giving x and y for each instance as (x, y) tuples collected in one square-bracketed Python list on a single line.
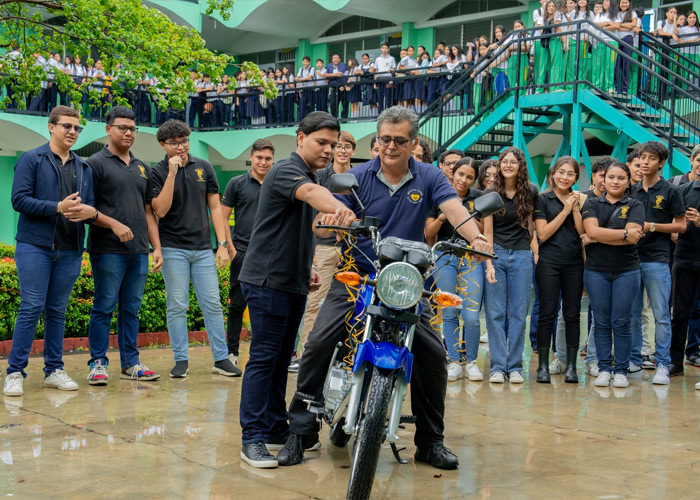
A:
[(614, 9), (427, 156), (470, 162), (523, 194), (485, 165), (587, 12), (620, 165), (628, 13)]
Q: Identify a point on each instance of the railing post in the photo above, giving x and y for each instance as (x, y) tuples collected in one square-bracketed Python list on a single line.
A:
[(439, 135), (672, 121), (579, 33), (517, 72)]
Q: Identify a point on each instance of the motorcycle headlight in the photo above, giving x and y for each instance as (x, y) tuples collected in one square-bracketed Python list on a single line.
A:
[(399, 285)]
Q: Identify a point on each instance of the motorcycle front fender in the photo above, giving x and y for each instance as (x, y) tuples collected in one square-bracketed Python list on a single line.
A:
[(384, 355)]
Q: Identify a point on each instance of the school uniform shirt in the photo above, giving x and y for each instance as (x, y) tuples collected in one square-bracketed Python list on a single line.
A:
[(319, 81), (121, 192), (281, 247), (440, 60), (666, 27), (481, 67), (186, 225), (612, 259), (303, 73), (384, 64), (636, 35), (366, 68), (686, 34), (577, 15), (446, 230), (662, 202), (242, 194), (564, 246), (689, 242), (604, 18), (506, 231)]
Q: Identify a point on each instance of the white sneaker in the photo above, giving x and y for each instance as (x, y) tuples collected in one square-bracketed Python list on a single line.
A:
[(592, 369), (557, 366), (13, 385), (234, 359), (60, 380), (473, 372), (454, 371), (603, 379), (497, 378), (484, 339), (697, 386), (620, 380), (661, 376), (634, 371), (515, 378)]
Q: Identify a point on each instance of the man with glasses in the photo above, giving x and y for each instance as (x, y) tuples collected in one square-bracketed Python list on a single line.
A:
[(52, 191), (185, 192), (118, 243), (400, 192), (448, 160)]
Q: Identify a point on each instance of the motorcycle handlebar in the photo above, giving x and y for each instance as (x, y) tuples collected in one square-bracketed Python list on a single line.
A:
[(461, 248)]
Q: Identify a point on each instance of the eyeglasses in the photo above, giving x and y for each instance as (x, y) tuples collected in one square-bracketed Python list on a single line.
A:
[(514, 163), (176, 145), (451, 164), (399, 142), (68, 126), (344, 147), (125, 128), (565, 173)]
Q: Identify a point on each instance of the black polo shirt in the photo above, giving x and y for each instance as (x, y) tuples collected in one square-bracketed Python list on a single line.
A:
[(688, 244), (506, 231), (564, 246), (612, 258), (590, 193), (242, 194), (446, 230), (186, 225), (662, 202), (121, 192), (323, 178), (66, 234), (281, 247)]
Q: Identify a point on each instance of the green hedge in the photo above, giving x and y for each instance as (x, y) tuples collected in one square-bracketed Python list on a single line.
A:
[(151, 317)]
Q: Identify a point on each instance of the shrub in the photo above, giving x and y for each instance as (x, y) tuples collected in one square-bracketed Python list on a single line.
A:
[(152, 316)]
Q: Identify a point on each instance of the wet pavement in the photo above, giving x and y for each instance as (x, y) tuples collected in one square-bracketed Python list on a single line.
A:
[(180, 439)]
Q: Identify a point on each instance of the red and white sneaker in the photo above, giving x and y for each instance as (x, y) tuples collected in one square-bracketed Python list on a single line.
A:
[(139, 372), (98, 373)]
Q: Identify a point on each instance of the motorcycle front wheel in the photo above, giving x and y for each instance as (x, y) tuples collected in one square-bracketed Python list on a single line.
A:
[(370, 436)]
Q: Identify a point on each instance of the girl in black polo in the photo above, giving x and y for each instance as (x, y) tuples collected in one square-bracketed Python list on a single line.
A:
[(510, 277), (559, 270), (614, 223), (456, 275)]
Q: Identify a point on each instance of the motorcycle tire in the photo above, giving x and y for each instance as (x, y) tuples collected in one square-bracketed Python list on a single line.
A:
[(338, 436), (370, 436)]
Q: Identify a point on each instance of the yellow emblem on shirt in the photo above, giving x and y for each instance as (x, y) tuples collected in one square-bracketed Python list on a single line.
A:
[(143, 171), (200, 175), (659, 199), (623, 212), (471, 206)]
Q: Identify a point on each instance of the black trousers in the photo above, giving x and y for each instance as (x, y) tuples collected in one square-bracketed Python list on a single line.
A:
[(686, 278), (236, 306), (553, 281), (428, 380)]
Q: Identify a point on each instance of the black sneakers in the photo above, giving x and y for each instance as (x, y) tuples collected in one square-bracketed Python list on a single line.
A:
[(438, 456), (293, 451), (256, 455), (180, 369), (226, 368)]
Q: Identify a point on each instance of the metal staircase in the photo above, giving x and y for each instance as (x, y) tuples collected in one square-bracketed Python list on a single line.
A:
[(664, 107)]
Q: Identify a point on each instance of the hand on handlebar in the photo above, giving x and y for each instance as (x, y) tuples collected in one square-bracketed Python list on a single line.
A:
[(341, 217), (481, 246)]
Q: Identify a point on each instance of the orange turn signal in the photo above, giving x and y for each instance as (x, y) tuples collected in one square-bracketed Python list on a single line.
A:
[(349, 278), (447, 299)]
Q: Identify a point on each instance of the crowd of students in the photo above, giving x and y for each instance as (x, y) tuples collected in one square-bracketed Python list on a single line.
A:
[(416, 78), (628, 241)]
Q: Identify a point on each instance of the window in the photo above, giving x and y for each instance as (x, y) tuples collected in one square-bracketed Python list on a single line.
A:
[(355, 24), (463, 7)]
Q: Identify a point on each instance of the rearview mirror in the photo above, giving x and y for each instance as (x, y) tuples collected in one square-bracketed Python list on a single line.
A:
[(486, 205), (343, 184)]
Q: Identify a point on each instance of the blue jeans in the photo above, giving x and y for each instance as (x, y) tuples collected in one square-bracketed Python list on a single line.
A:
[(656, 279), (46, 279), (179, 266), (119, 278), (275, 317), (591, 352), (509, 296), (456, 278), (612, 297)]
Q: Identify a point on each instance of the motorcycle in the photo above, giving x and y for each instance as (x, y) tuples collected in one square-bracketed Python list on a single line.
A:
[(370, 371)]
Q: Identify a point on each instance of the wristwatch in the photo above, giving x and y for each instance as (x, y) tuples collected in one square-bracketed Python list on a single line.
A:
[(223, 244), (652, 227)]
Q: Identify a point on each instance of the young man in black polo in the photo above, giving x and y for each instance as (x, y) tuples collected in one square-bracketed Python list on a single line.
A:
[(185, 192), (686, 273), (276, 278), (241, 197), (664, 214), (118, 244)]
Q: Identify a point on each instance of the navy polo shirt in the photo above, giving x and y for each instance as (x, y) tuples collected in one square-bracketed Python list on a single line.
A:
[(402, 213)]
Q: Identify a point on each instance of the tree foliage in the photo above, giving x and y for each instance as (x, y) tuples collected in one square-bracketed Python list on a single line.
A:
[(131, 40)]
